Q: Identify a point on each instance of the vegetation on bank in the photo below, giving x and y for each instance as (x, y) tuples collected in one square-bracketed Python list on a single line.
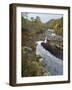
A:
[(31, 65), (32, 31)]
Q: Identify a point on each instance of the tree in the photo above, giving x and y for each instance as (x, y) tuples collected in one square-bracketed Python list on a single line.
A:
[(38, 20), (25, 15), (32, 19)]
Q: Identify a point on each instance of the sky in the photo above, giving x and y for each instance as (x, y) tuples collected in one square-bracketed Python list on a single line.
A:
[(45, 17)]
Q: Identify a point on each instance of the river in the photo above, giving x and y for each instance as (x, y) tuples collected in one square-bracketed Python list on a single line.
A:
[(53, 64)]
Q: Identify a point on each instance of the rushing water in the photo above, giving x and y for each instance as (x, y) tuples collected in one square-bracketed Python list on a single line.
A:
[(53, 64)]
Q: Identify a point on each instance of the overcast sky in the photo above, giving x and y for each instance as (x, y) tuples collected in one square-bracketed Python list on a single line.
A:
[(45, 17)]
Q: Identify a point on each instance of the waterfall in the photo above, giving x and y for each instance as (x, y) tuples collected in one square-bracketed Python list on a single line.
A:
[(45, 41)]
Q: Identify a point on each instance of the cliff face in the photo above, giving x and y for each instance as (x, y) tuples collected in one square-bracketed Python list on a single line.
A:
[(53, 49)]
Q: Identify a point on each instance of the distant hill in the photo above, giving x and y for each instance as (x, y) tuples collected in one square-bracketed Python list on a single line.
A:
[(50, 21)]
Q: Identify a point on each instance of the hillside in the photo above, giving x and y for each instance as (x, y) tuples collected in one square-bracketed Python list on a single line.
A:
[(57, 25)]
